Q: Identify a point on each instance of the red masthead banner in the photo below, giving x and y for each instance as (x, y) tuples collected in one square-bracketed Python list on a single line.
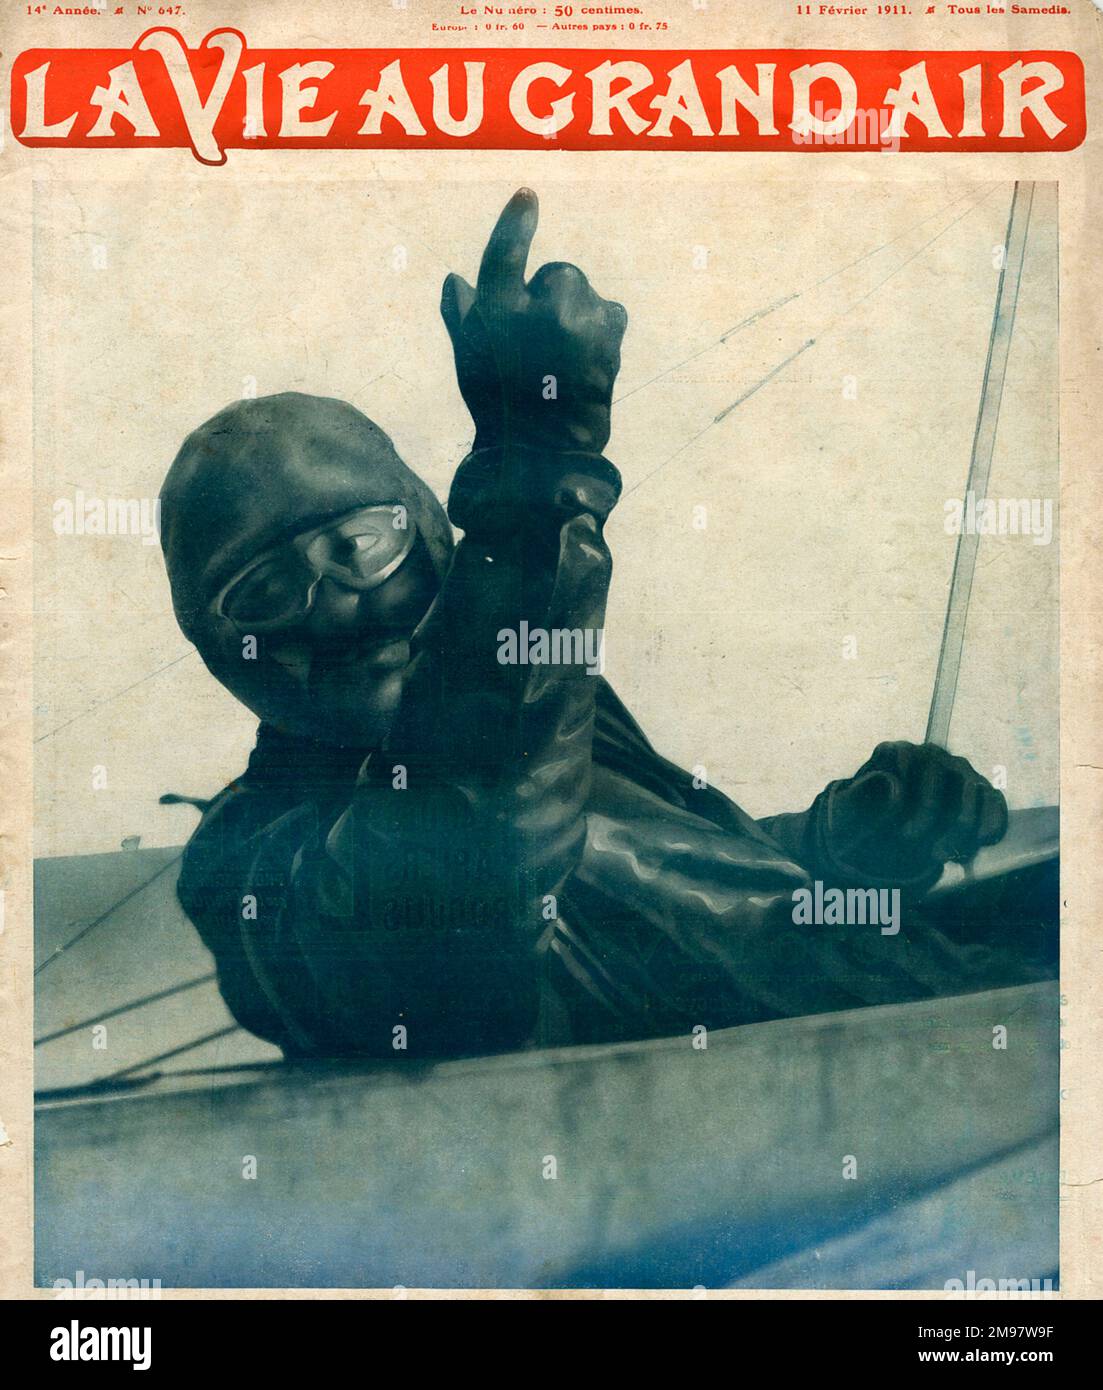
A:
[(224, 95)]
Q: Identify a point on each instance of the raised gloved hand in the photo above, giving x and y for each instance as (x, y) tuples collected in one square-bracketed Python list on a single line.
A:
[(536, 362), (908, 810)]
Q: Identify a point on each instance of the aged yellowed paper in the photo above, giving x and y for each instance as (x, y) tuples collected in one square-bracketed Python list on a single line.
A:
[(550, 651)]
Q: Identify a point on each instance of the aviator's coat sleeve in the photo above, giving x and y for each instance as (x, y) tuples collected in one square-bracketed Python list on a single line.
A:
[(412, 911)]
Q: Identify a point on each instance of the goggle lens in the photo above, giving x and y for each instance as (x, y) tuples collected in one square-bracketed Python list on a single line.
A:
[(278, 591), (358, 552)]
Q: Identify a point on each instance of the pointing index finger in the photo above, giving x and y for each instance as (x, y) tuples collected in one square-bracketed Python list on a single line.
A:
[(502, 270)]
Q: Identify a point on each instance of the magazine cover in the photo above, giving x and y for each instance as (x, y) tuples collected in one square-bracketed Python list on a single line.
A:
[(550, 655)]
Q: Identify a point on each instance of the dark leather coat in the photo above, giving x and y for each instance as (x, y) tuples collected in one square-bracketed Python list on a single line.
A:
[(517, 863)]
